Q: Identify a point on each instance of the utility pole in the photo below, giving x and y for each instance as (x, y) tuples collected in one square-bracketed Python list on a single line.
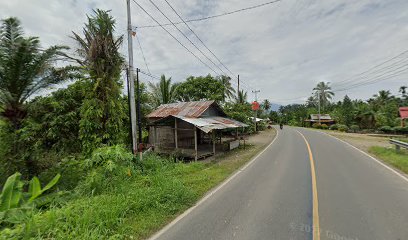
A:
[(256, 111), (131, 83), (238, 85), (318, 98), (139, 116)]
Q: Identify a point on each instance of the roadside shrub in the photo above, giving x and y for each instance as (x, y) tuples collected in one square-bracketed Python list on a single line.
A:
[(320, 126), (324, 126), (342, 128), (386, 129), (316, 125), (106, 167), (334, 127), (261, 125), (354, 128), (401, 130)]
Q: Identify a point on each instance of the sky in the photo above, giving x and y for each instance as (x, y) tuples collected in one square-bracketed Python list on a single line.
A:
[(282, 49)]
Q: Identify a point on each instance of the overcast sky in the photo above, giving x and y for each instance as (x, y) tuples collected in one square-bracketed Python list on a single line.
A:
[(282, 49)]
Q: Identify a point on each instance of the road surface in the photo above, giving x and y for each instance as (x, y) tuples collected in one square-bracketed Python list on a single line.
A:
[(332, 191)]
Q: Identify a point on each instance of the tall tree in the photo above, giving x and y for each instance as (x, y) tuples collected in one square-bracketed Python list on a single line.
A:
[(242, 97), (102, 112), (347, 111), (380, 99), (229, 91), (200, 88), (25, 69), (324, 91), (163, 92), (266, 105)]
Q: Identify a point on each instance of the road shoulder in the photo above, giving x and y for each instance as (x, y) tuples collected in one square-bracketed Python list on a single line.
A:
[(377, 148)]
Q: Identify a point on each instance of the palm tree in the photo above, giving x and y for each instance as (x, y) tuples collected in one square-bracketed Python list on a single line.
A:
[(25, 69), (311, 101), (163, 92), (102, 112), (242, 97), (229, 91), (381, 99), (325, 93), (403, 90), (364, 115), (266, 105)]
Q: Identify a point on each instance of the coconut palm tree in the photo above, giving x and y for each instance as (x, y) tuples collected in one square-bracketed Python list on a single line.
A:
[(266, 105), (163, 92), (229, 91), (25, 69), (325, 93), (380, 99), (242, 97)]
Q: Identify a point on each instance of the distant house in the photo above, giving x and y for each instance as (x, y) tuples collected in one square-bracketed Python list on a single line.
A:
[(193, 129), (403, 111), (324, 119)]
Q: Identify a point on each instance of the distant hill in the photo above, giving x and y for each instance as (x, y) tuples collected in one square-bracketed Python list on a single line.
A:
[(275, 106)]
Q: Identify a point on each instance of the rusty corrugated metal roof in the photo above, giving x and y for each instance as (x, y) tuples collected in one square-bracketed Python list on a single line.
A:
[(185, 109), (322, 117), (207, 124)]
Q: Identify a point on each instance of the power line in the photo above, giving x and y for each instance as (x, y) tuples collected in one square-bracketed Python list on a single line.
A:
[(372, 68), (215, 16), (375, 80), (199, 38), (186, 37), (149, 75), (141, 50), (395, 66), (174, 37)]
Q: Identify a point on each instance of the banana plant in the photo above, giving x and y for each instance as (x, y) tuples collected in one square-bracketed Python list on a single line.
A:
[(14, 203)]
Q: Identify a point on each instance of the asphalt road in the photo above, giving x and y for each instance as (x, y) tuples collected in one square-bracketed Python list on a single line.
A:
[(272, 198)]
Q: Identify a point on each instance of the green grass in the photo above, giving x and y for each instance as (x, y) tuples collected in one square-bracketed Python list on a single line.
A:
[(403, 139), (137, 205), (390, 155)]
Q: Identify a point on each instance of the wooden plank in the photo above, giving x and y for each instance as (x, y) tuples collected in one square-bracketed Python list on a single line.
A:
[(213, 140), (195, 143), (175, 132)]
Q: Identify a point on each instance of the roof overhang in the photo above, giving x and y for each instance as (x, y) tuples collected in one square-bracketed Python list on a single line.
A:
[(207, 124)]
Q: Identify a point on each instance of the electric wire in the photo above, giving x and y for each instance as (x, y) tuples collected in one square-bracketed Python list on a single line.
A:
[(186, 37), (215, 16), (174, 37), (188, 26)]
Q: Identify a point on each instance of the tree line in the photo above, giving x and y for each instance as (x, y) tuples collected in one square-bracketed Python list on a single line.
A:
[(38, 129), (378, 113)]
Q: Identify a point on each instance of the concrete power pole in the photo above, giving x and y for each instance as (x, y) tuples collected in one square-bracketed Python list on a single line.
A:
[(256, 111), (131, 82), (238, 85), (318, 98)]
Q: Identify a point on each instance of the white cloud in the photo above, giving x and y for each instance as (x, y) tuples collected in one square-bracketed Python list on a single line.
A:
[(283, 49)]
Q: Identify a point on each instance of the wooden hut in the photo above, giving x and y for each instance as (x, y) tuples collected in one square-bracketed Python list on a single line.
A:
[(192, 129)]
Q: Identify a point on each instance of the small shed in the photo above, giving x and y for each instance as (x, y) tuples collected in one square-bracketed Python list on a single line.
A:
[(324, 119), (192, 129)]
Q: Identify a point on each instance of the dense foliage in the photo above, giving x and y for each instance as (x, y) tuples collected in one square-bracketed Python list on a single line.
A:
[(379, 113), (103, 111)]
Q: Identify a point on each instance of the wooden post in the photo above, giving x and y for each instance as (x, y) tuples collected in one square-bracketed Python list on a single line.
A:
[(213, 138), (195, 143), (156, 142), (175, 132)]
